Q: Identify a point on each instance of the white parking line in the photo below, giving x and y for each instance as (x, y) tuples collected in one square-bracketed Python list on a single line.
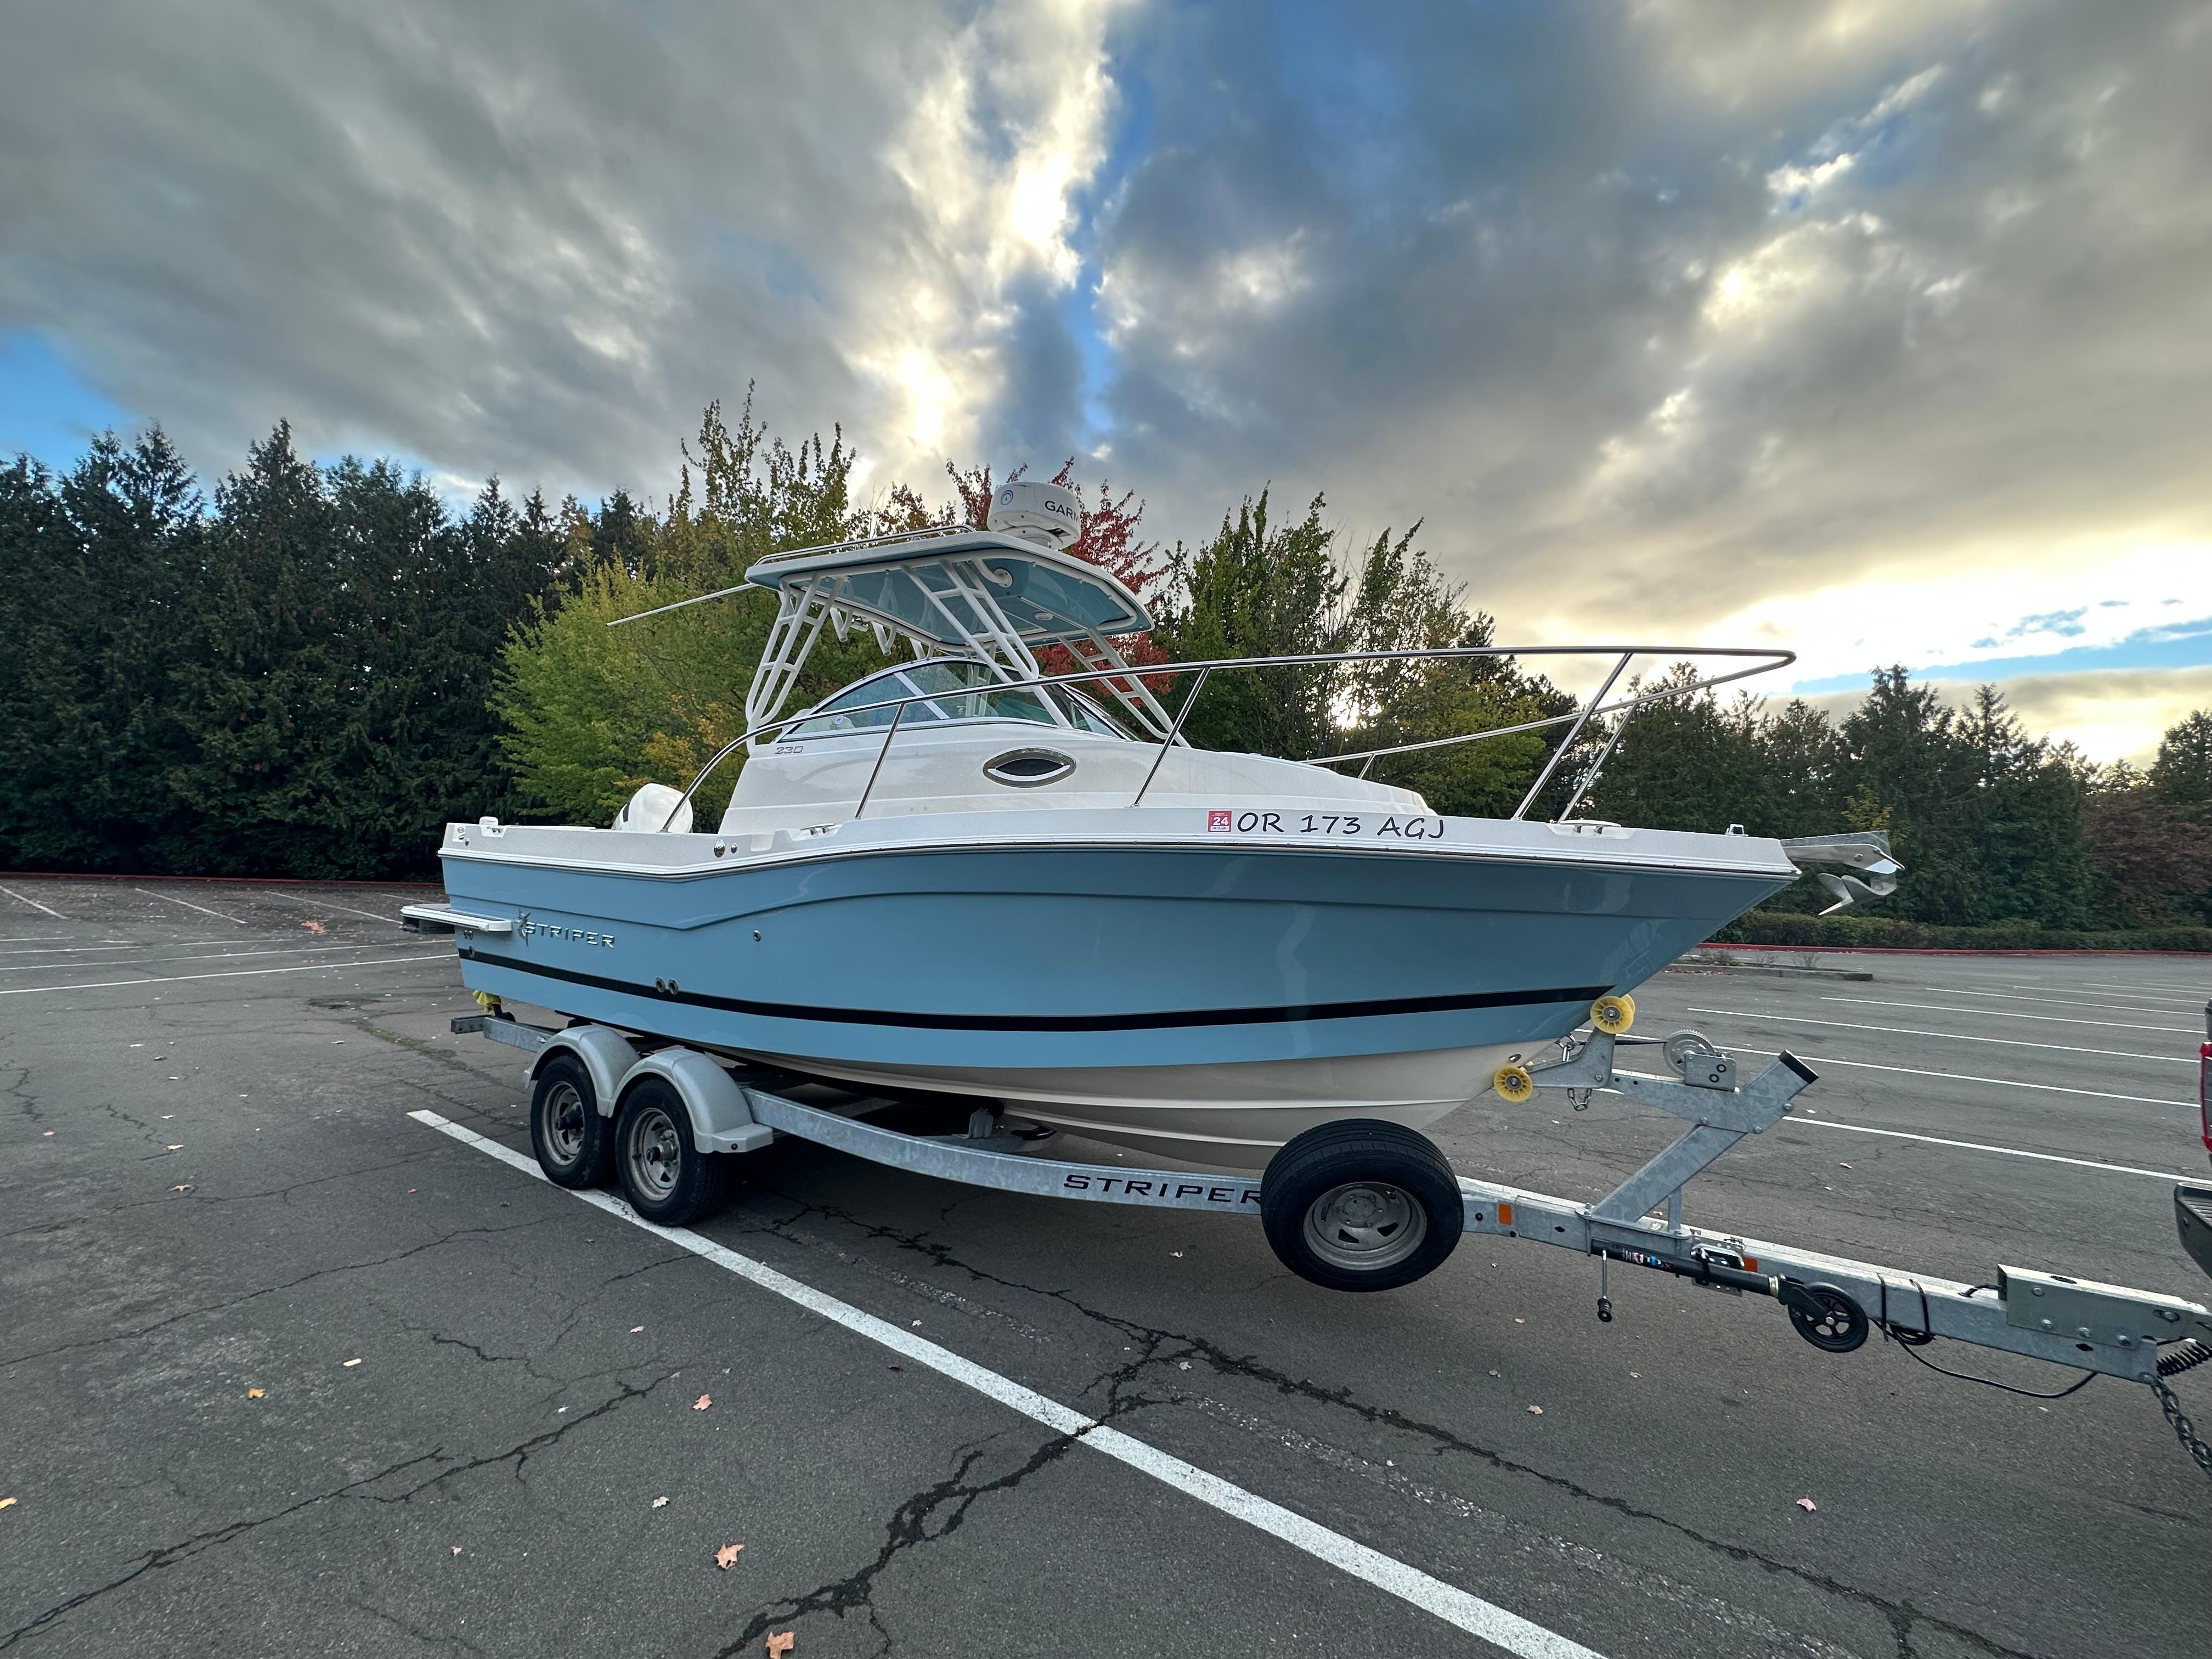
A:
[(1455, 1606), (25, 938), (331, 904), (2151, 985), (34, 903), (1962, 1077), (1979, 1146), (113, 944), (2007, 1013), (1949, 1036), (2098, 998), (2063, 1002), (188, 905), (230, 973), (153, 961)]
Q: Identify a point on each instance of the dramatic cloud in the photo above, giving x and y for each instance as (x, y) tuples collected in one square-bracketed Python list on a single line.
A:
[(537, 239), (1881, 329)]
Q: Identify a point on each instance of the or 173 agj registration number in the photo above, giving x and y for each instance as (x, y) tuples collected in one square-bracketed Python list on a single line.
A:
[(1340, 824)]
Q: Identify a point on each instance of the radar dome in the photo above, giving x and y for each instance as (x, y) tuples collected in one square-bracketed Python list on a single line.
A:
[(1047, 513)]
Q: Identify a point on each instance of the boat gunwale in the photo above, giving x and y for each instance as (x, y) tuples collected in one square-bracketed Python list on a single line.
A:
[(1563, 859)]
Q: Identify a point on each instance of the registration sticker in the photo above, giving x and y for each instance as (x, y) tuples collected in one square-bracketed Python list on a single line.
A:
[(1219, 823)]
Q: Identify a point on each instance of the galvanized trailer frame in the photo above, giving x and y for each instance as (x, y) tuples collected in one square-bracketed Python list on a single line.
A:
[(1834, 1303)]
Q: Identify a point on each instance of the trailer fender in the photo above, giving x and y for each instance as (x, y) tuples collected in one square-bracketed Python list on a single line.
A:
[(606, 1054), (721, 1120)]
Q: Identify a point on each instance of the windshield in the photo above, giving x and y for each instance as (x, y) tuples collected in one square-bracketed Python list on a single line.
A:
[(970, 698)]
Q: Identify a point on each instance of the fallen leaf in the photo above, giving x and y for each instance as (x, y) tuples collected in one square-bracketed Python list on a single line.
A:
[(1636, 1374), (7, 1503), (175, 1147), (352, 1362), (782, 1642), (186, 1188), (1536, 1411), (1805, 1503), (703, 1403), (255, 1393), (1493, 1373), (661, 1502), (457, 1549), (1182, 1365), (917, 1324), (634, 1329), (1843, 1166), (1174, 1253), (1520, 1321), (726, 1557)]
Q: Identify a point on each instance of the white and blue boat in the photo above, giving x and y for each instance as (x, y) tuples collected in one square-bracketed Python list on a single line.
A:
[(963, 877)]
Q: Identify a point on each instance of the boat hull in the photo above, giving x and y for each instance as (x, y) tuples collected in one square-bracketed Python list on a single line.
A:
[(1179, 990)]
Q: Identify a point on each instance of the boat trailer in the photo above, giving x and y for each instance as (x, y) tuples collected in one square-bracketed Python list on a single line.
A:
[(1327, 1198)]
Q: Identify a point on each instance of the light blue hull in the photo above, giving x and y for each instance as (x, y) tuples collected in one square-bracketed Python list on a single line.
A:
[(979, 959)]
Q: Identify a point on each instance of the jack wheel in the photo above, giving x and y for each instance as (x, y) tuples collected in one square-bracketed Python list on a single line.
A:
[(664, 1174), (1825, 1317), (575, 1146), (1361, 1204)]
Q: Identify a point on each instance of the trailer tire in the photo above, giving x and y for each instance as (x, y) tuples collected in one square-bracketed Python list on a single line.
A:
[(664, 1174), (574, 1141), (1361, 1204)]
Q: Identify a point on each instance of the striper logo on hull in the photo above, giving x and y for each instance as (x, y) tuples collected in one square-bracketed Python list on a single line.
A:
[(525, 929)]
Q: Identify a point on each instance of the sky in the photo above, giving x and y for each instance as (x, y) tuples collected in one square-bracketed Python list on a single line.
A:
[(1879, 331)]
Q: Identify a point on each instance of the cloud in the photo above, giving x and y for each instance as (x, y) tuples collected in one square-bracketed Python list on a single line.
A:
[(1610, 309), (537, 239), (1879, 329), (2109, 715)]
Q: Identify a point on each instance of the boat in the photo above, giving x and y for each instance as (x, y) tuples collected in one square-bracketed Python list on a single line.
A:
[(963, 877)]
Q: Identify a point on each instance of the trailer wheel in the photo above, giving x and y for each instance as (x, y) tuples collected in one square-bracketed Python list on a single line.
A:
[(576, 1145), (664, 1174), (1361, 1204)]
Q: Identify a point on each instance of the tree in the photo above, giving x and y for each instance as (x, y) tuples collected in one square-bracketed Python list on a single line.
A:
[(2182, 774), (1258, 590), (593, 711)]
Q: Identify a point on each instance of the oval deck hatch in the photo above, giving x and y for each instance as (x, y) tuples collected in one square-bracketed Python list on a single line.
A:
[(1026, 768)]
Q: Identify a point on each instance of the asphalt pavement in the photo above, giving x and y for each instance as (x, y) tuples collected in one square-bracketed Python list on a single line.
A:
[(285, 1370)]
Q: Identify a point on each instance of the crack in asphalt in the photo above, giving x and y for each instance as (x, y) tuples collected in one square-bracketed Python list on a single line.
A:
[(909, 1526), (461, 1235), (1902, 1616), (170, 1554)]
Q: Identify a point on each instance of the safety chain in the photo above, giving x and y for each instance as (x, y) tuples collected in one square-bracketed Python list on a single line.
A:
[(2170, 1403)]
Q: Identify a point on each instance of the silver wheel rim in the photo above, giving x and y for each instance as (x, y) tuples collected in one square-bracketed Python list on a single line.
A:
[(564, 1123), (655, 1152), (1365, 1225)]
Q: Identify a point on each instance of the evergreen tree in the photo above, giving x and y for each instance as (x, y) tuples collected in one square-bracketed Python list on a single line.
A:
[(2182, 774), (1258, 589)]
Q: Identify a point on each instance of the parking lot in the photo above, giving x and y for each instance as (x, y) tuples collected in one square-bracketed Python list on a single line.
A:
[(286, 1369)]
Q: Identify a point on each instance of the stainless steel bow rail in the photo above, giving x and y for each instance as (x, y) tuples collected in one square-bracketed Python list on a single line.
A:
[(1835, 1304)]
